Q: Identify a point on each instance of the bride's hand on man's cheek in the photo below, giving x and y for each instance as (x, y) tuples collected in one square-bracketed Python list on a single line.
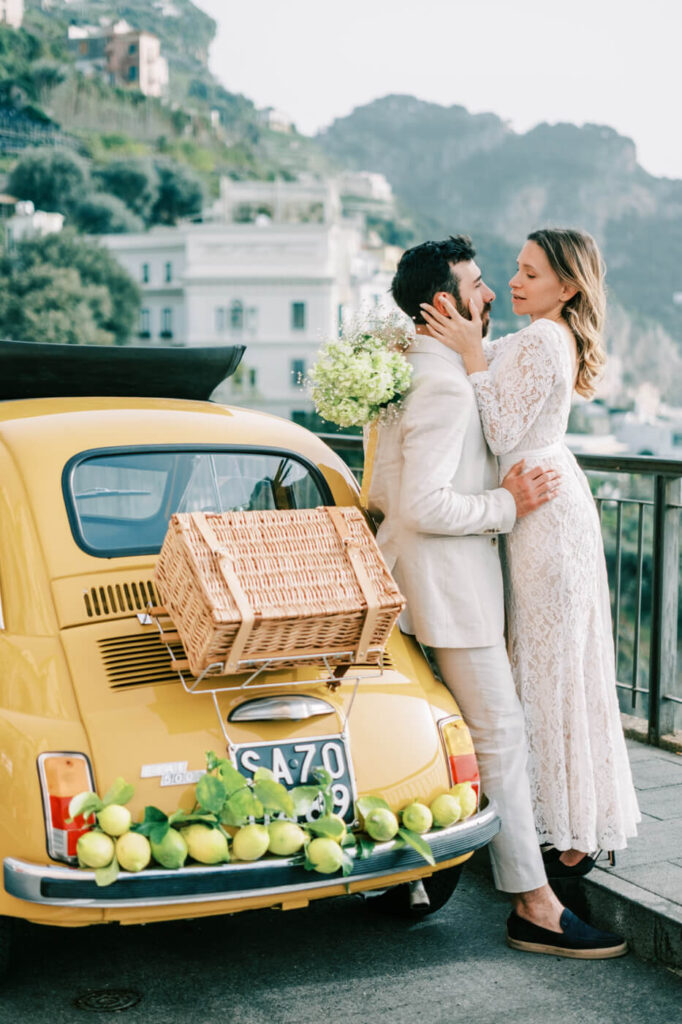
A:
[(453, 330)]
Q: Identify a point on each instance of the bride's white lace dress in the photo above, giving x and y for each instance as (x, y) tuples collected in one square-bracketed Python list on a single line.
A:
[(558, 608)]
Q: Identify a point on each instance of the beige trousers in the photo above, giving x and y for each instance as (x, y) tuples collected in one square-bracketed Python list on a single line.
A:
[(480, 680)]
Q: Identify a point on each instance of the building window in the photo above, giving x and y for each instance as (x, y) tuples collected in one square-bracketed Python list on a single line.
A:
[(168, 273), (132, 48), (237, 379), (144, 273), (145, 323), (220, 319), (166, 323), (339, 318), (253, 378), (252, 319), (298, 316), (132, 74), (237, 316), (297, 371)]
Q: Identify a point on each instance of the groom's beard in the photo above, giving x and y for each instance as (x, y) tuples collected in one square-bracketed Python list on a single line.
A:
[(466, 313)]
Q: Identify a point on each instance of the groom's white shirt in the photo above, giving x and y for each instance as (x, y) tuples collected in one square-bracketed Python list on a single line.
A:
[(435, 484)]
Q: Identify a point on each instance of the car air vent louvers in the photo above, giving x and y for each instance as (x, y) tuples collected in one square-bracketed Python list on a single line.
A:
[(118, 598), (141, 658)]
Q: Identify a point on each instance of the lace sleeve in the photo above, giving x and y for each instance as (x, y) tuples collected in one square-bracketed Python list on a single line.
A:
[(491, 346), (511, 393)]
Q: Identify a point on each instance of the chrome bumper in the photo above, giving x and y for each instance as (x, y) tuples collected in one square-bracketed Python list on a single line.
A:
[(72, 887)]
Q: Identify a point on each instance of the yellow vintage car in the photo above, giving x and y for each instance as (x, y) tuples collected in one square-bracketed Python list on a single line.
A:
[(87, 690)]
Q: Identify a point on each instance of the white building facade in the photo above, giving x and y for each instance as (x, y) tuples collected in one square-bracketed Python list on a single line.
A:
[(277, 284), (280, 288), (12, 12)]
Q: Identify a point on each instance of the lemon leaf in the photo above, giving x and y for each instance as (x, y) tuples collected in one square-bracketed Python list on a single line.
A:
[(369, 803), (273, 796), (120, 793), (108, 874), (330, 828), (322, 776), (346, 864), (84, 803), (211, 793), (241, 806), (417, 843), (365, 847), (304, 797), (230, 777), (158, 832)]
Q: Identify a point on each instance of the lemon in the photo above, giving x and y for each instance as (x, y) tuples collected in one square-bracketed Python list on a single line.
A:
[(95, 850), (446, 810), (417, 817), (114, 819), (381, 824), (133, 851), (325, 855), (205, 844), (171, 852), (286, 838), (250, 842), (466, 794)]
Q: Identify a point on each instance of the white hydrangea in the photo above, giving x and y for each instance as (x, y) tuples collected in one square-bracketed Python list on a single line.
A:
[(362, 374)]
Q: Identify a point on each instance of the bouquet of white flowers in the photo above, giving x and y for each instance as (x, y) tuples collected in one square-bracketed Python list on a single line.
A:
[(362, 374), (361, 377)]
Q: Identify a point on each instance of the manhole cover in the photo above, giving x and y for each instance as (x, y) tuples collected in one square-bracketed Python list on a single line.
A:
[(110, 1000)]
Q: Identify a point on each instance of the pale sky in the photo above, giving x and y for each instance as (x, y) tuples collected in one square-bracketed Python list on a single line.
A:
[(611, 62)]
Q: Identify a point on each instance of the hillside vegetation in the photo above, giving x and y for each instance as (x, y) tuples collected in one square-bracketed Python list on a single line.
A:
[(470, 172)]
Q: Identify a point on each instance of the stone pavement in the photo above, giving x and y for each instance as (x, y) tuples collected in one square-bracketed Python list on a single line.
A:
[(641, 897)]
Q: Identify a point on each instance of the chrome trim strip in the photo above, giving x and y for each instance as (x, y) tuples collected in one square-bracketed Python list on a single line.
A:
[(25, 880)]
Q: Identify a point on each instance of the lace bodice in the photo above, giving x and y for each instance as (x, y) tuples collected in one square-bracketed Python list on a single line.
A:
[(524, 397)]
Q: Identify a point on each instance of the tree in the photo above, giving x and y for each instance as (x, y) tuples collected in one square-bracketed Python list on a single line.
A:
[(181, 193), (95, 301), (135, 182), (52, 304), (54, 179), (102, 214)]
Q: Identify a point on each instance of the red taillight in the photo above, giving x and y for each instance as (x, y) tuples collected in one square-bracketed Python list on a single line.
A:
[(464, 768), (62, 776), (460, 752)]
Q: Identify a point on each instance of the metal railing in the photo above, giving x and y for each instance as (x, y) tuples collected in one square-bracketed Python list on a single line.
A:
[(639, 499)]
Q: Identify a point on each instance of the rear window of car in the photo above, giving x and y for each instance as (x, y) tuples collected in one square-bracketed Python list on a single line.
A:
[(119, 502)]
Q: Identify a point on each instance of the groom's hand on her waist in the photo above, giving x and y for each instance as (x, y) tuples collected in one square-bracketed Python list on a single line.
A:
[(531, 489)]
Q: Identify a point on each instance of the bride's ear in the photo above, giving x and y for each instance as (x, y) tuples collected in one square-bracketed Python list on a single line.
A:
[(567, 292)]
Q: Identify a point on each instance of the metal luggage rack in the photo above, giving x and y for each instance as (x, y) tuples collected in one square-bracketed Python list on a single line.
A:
[(335, 674)]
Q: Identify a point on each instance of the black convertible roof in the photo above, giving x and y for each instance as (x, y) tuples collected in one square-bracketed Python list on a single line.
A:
[(35, 370)]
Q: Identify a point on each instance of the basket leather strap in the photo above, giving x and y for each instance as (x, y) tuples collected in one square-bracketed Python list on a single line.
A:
[(368, 589), (226, 568)]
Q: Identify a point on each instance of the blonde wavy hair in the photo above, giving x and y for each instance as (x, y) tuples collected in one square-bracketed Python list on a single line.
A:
[(575, 259)]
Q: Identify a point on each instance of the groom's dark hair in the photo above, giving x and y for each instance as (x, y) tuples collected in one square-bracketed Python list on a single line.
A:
[(426, 269)]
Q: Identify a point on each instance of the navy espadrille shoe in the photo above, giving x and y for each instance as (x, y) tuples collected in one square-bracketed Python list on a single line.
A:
[(576, 939)]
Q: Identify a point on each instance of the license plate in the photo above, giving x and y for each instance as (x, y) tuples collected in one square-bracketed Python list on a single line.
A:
[(292, 764)]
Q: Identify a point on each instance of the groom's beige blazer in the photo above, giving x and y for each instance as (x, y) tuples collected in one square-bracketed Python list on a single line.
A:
[(435, 485)]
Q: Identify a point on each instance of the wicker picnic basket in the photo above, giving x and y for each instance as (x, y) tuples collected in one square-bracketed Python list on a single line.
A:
[(276, 589)]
